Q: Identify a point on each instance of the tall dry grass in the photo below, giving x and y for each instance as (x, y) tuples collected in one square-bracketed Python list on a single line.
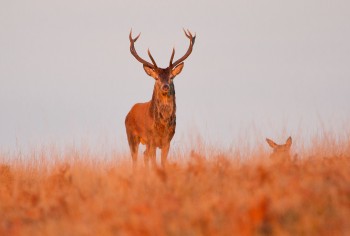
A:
[(197, 194)]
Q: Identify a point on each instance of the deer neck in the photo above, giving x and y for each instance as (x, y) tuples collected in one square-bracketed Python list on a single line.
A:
[(163, 107)]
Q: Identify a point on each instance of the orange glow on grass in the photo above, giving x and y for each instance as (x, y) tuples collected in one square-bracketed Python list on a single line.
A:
[(197, 194)]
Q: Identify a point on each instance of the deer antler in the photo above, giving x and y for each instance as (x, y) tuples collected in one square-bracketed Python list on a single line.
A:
[(189, 50), (134, 53)]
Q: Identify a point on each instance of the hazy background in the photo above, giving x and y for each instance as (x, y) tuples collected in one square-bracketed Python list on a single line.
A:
[(259, 69)]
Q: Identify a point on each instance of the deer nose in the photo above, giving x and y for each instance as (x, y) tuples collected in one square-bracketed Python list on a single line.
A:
[(165, 87)]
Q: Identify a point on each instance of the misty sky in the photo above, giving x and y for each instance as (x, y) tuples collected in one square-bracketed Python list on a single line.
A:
[(259, 69)]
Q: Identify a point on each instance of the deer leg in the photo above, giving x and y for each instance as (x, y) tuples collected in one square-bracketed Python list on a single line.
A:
[(134, 148), (153, 158), (164, 155), (146, 156), (134, 156), (152, 155)]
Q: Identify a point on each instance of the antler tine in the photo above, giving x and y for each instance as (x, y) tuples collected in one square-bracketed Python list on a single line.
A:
[(134, 53), (130, 36), (187, 33), (189, 50), (172, 57), (150, 56)]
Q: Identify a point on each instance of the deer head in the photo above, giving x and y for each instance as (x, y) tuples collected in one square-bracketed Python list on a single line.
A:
[(280, 150), (163, 77)]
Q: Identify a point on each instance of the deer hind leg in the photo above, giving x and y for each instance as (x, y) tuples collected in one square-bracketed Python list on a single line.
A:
[(134, 148)]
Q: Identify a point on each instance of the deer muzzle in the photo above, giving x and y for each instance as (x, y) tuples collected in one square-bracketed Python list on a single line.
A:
[(165, 88)]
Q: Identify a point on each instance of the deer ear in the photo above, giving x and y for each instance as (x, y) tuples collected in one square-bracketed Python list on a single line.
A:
[(289, 142), (177, 70), (271, 143), (150, 71)]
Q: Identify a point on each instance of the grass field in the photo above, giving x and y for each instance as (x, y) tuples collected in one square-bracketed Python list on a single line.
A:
[(197, 194)]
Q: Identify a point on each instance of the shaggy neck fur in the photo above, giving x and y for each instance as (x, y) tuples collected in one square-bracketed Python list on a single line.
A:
[(163, 107)]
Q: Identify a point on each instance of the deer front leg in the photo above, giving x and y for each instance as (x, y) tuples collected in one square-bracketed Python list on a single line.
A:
[(152, 156), (164, 155), (146, 156), (150, 153)]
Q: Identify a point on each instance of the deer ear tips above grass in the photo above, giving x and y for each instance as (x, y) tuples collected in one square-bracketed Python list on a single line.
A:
[(271, 143)]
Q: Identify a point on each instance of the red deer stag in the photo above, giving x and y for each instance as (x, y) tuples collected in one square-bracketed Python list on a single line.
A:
[(153, 123)]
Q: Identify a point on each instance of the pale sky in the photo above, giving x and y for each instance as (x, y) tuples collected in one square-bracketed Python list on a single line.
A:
[(258, 69)]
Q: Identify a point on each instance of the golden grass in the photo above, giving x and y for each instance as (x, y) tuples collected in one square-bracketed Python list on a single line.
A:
[(197, 195)]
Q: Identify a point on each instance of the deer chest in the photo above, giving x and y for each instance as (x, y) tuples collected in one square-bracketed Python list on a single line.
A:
[(163, 132)]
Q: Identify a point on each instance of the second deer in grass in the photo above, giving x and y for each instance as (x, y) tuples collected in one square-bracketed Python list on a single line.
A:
[(280, 151), (153, 123)]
